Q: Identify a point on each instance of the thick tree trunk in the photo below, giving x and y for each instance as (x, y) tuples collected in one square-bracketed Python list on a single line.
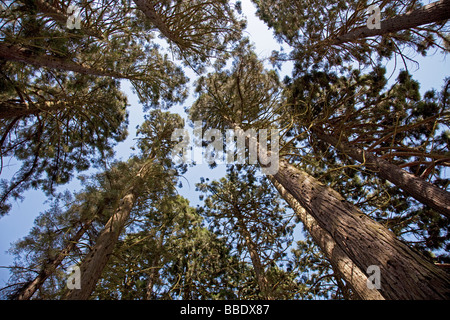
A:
[(96, 260), (27, 292), (420, 189), (17, 53), (433, 12), (261, 278), (341, 262), (404, 273)]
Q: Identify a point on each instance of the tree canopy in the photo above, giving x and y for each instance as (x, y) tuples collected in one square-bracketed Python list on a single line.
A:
[(358, 158)]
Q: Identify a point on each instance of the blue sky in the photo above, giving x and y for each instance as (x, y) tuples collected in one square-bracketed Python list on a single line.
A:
[(16, 225)]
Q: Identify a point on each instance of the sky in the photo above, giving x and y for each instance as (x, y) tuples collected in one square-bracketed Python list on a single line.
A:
[(19, 221), (16, 225)]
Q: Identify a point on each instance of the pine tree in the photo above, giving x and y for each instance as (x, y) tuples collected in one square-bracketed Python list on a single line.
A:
[(125, 52), (63, 110), (242, 209), (43, 255), (341, 262), (336, 107), (355, 233), (167, 254), (151, 173), (361, 164), (434, 12), (51, 143), (372, 127), (197, 30), (337, 32), (197, 263)]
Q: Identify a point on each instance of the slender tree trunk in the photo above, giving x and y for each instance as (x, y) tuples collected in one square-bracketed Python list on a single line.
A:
[(420, 189), (153, 278), (149, 10), (17, 53), (92, 266), (344, 288), (341, 262), (433, 12), (404, 273), (60, 16), (13, 109), (256, 260), (27, 292), (96, 260)]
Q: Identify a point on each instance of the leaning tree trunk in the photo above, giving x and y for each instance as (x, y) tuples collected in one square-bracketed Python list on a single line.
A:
[(12, 109), (404, 273), (18, 53), (92, 266), (60, 15), (420, 189), (149, 11), (433, 12), (341, 262), (27, 292)]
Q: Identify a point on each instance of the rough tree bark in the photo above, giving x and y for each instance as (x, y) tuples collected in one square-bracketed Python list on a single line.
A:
[(420, 189), (404, 273), (341, 262)]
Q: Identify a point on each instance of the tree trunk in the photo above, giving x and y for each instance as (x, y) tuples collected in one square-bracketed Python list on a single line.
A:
[(92, 266), (341, 262), (153, 277), (256, 260), (420, 189), (149, 10), (96, 260), (60, 16), (20, 54), (12, 109), (404, 273), (433, 12), (27, 292)]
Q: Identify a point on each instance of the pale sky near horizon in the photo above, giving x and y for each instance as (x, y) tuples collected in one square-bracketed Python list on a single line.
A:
[(17, 224)]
